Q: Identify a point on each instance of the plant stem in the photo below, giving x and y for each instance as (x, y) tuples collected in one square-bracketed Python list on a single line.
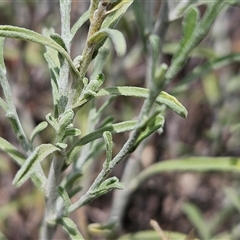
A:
[(12, 114), (55, 173), (95, 24), (54, 178)]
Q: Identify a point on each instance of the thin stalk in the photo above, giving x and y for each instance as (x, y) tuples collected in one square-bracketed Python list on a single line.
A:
[(63, 82), (95, 24), (12, 114), (54, 178), (55, 173)]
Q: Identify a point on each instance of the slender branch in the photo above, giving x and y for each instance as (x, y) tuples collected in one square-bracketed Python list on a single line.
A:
[(12, 114), (55, 173), (95, 25)]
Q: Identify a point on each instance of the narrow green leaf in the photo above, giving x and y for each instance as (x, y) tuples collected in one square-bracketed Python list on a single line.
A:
[(29, 166), (52, 58), (109, 146), (58, 39), (12, 151), (3, 104), (163, 98), (194, 33), (213, 10), (40, 127), (2, 64), (159, 76), (196, 217), (187, 42), (194, 164), (79, 23), (106, 186), (65, 120), (116, 13), (189, 25), (29, 35), (61, 145), (155, 43), (38, 177), (63, 193), (152, 125), (73, 132), (52, 121), (70, 227), (116, 36)]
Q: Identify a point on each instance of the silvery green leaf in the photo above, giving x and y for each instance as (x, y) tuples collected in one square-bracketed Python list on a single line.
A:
[(29, 166), (155, 42), (2, 64), (74, 132), (109, 146), (70, 227), (186, 44), (100, 78), (159, 76), (116, 13), (116, 37), (38, 177), (52, 121), (153, 124), (58, 39), (61, 145), (12, 151), (163, 97), (40, 127), (65, 119), (193, 32), (29, 35), (106, 186)]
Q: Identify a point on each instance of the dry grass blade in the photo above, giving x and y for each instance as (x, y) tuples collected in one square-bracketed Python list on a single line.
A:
[(158, 229)]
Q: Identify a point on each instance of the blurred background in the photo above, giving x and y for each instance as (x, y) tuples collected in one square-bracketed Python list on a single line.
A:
[(212, 127)]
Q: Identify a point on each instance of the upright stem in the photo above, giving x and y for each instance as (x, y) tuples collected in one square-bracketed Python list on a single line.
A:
[(54, 179), (55, 173), (97, 19)]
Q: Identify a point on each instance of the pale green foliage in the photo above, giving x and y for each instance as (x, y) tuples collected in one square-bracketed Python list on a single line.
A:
[(70, 96)]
